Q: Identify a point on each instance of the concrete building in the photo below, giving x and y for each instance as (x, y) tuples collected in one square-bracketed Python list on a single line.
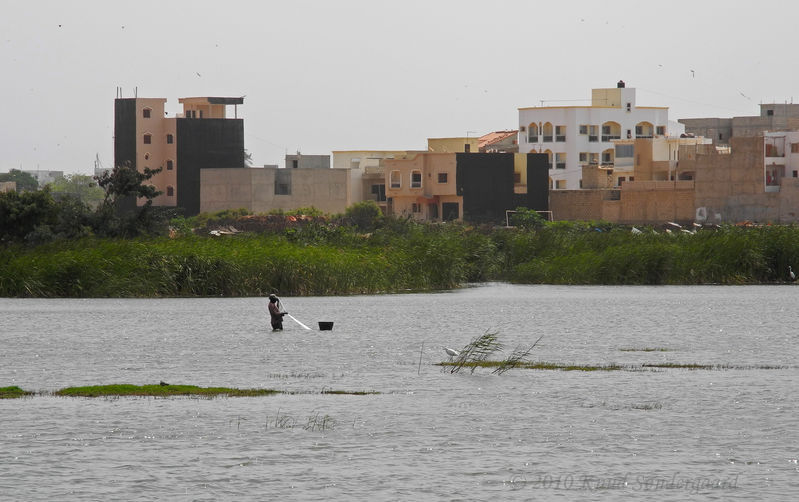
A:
[(773, 117), (572, 136), (261, 190), (649, 159), (201, 137), (367, 173), (8, 186), (463, 186), (453, 145), (300, 161)]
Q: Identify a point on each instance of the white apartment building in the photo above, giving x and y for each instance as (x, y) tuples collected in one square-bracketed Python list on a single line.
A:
[(576, 135)]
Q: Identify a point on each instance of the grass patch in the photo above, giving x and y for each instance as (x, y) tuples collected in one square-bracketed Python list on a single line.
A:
[(350, 392), (538, 365), (13, 392), (160, 391)]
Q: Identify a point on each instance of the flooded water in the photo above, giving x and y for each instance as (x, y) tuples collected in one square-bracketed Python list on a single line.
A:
[(664, 434)]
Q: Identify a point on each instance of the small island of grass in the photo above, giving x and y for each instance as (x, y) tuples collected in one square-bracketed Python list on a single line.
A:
[(160, 391), (13, 392)]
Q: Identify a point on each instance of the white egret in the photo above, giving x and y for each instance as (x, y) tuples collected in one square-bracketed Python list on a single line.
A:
[(791, 275), (450, 352)]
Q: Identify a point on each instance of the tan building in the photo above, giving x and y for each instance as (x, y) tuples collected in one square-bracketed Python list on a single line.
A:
[(8, 186), (367, 173), (756, 179), (261, 190), (423, 187), (773, 117), (453, 145)]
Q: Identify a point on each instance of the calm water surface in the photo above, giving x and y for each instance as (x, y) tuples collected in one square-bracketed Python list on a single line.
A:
[(663, 434)]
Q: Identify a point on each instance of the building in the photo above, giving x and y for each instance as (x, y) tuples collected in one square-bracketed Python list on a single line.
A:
[(453, 145), (773, 117), (202, 137), (649, 159), (8, 186), (463, 186), (367, 173), (300, 161), (572, 136), (260, 190), (499, 142)]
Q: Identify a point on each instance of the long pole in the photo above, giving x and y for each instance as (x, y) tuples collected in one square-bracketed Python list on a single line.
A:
[(292, 317)]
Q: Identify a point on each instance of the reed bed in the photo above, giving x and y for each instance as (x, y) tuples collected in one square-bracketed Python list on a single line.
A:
[(327, 259)]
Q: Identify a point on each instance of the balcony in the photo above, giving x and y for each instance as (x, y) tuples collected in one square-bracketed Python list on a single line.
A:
[(593, 139), (532, 139), (547, 139), (560, 165), (560, 139), (610, 137)]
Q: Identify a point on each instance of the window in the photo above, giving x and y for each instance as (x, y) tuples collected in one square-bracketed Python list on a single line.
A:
[(148, 139), (583, 156), (395, 179), (624, 150), (632, 178), (796, 174), (594, 158), (282, 182), (661, 130), (583, 129), (629, 107), (581, 183), (517, 177), (560, 133), (170, 165), (622, 179), (442, 177), (295, 164), (170, 139), (607, 158), (379, 192), (467, 147), (170, 191), (593, 136), (355, 163), (560, 161), (145, 113), (147, 156), (794, 147), (721, 136), (416, 179), (560, 184), (416, 208), (769, 113)]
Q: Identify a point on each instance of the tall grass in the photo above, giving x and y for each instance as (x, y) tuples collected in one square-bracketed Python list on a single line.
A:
[(323, 259)]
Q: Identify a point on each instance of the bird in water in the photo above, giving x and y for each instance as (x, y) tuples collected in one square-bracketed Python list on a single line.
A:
[(450, 352), (791, 275)]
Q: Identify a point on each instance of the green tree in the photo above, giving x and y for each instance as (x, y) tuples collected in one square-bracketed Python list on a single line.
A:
[(22, 213), (527, 218), (82, 186), (119, 215), (25, 182)]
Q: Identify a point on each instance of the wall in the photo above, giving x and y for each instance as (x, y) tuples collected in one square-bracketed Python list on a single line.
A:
[(308, 161), (453, 145), (254, 189)]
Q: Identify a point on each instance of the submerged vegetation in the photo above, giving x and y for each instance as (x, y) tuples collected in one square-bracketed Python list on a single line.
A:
[(164, 390), (307, 253)]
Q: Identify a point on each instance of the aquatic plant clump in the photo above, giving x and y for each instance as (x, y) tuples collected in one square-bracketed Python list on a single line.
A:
[(160, 391), (13, 392)]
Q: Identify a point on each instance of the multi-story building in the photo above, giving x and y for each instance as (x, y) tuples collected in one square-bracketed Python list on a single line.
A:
[(300, 161), (572, 136), (199, 138), (466, 186), (367, 173), (773, 117)]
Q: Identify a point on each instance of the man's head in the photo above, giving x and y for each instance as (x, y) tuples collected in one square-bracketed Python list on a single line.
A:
[(272, 298)]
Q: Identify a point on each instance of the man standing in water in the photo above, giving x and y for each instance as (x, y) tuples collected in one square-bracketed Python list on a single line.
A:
[(275, 313)]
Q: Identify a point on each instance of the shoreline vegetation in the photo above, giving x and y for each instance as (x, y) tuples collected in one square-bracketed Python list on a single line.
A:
[(161, 390), (305, 253)]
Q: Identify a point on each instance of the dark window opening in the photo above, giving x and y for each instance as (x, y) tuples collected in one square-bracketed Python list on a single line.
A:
[(282, 182), (442, 177), (170, 139), (145, 113), (769, 113), (170, 191), (379, 191), (148, 139), (169, 165), (295, 164)]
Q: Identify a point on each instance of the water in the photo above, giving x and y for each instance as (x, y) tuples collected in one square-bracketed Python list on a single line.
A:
[(667, 434)]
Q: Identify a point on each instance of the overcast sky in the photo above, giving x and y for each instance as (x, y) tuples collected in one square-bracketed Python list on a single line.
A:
[(366, 74)]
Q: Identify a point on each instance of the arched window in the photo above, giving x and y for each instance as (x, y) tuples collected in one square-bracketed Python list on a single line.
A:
[(547, 132), (395, 179), (611, 131), (532, 133), (170, 139), (644, 130), (549, 158)]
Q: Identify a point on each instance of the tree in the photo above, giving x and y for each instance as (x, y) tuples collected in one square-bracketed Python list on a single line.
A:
[(118, 215), (82, 186), (21, 213), (25, 182), (527, 218)]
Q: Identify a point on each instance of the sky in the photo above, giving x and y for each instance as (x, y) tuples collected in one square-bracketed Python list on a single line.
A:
[(324, 75)]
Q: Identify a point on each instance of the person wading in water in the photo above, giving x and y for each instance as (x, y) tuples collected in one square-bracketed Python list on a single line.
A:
[(275, 313)]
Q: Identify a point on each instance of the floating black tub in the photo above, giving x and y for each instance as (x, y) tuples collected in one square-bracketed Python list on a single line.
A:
[(325, 325)]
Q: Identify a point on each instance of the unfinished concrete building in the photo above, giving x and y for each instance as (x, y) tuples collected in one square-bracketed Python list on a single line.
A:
[(773, 117)]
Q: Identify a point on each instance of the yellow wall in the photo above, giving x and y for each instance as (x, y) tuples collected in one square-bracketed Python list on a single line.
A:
[(430, 165), (606, 97), (452, 145)]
